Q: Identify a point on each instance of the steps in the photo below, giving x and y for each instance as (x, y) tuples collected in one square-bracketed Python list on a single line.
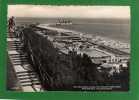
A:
[(27, 77)]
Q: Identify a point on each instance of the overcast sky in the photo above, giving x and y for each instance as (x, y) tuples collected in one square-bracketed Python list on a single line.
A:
[(69, 11)]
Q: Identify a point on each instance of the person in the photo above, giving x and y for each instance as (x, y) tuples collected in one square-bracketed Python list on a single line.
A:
[(11, 24)]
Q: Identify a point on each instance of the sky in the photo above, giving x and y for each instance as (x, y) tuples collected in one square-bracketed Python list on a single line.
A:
[(47, 11)]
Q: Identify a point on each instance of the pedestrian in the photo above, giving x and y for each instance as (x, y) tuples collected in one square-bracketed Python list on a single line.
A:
[(11, 25)]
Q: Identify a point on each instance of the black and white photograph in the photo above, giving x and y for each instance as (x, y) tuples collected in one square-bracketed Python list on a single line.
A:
[(68, 48)]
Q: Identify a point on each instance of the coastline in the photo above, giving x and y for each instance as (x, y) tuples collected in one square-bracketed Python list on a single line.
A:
[(96, 38)]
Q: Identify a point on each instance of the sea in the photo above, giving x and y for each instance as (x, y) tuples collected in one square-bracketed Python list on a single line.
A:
[(115, 29)]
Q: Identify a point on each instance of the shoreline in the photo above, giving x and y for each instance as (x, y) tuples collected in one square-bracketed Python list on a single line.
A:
[(99, 39), (95, 33)]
